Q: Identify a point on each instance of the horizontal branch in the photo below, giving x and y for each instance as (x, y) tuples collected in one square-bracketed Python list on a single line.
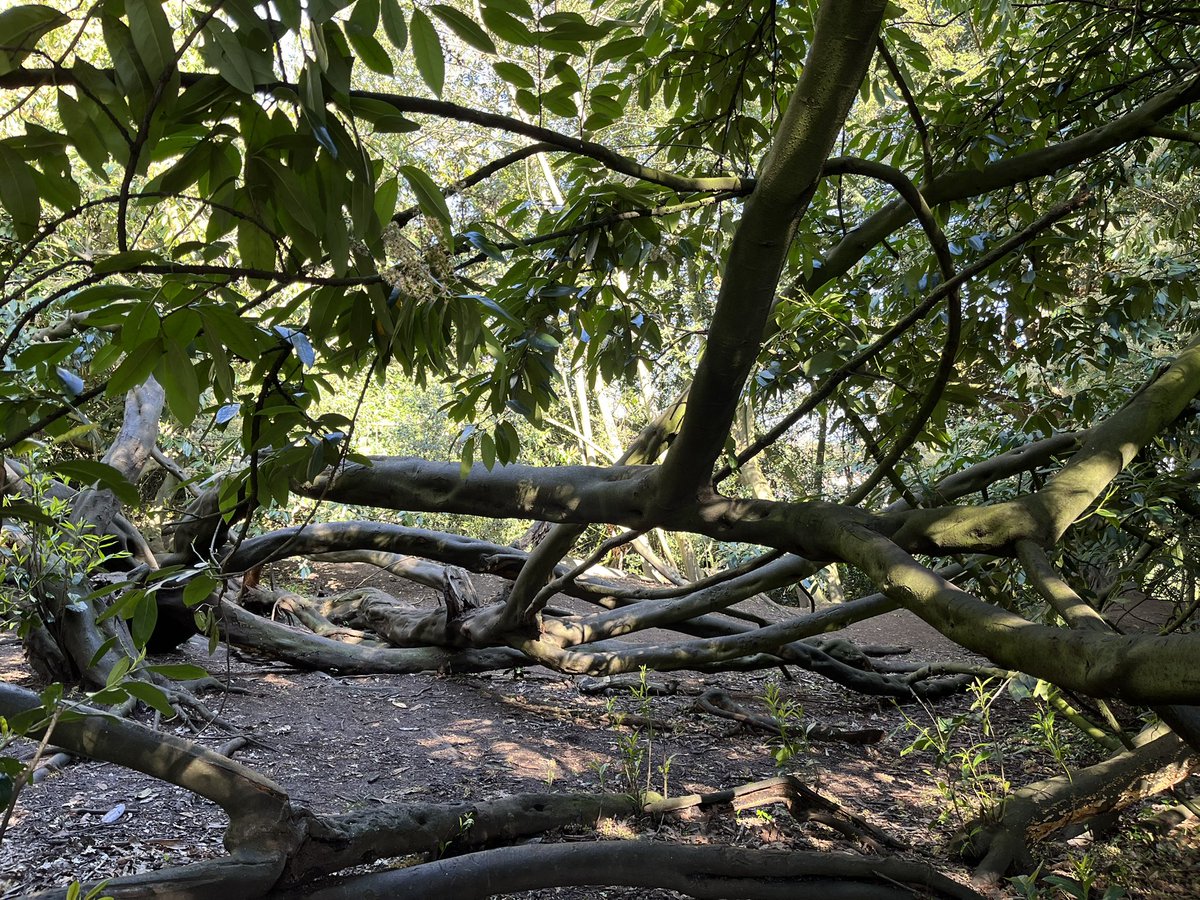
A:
[(58, 75), (1144, 669), (965, 183), (574, 494), (1046, 514)]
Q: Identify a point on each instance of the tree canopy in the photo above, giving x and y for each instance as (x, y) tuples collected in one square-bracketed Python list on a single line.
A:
[(959, 235)]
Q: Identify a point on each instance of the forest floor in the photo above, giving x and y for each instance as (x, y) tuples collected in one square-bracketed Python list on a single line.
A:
[(338, 743)]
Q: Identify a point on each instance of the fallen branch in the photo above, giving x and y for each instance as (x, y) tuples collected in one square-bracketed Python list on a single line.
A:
[(717, 702), (803, 803), (1039, 809)]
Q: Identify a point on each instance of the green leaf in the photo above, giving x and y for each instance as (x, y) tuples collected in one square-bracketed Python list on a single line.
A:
[(464, 26), (571, 26), (618, 49), (58, 189), (385, 200), (50, 351), (493, 306), (185, 172), (467, 458), (19, 194), (508, 443), (142, 323), (88, 471), (255, 246), (124, 607), (429, 198), (151, 35), (102, 650), (228, 56), (23, 27), (28, 512), (119, 670), (152, 696), (137, 364), (506, 27), (289, 192), (145, 617), (393, 24), (178, 671), (177, 375), (316, 461), (561, 102), (382, 116), (365, 16), (82, 132), (240, 335), (427, 48), (514, 75), (369, 50), (123, 262)]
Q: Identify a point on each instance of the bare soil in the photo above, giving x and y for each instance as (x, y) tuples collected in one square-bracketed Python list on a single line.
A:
[(337, 743)]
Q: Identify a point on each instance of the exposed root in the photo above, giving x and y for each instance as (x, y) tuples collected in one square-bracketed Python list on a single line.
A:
[(803, 803), (698, 871), (717, 702), (1039, 809)]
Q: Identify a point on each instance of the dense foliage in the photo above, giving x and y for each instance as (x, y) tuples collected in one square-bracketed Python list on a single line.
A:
[(889, 263)]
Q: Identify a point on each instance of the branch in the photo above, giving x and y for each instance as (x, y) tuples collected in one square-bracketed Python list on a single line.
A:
[(964, 183), (1055, 591), (976, 477), (914, 111), (610, 159), (902, 325), (50, 418), (246, 796), (404, 216), (696, 871), (844, 39), (1139, 669), (941, 249), (606, 220), (1045, 515), (1175, 134)]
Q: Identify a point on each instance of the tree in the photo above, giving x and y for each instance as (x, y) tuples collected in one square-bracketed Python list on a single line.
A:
[(205, 215)]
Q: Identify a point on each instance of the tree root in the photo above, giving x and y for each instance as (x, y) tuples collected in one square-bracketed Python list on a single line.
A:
[(1039, 809), (277, 847), (803, 803), (698, 871), (717, 702), (401, 829)]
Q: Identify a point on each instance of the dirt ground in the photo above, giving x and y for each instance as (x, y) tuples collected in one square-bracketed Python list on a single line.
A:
[(336, 743)]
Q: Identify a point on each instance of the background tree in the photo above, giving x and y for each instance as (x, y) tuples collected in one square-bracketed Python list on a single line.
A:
[(958, 232)]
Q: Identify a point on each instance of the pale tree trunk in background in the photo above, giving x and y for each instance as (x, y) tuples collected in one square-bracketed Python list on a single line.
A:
[(579, 379), (750, 473), (818, 479), (661, 566), (828, 584)]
